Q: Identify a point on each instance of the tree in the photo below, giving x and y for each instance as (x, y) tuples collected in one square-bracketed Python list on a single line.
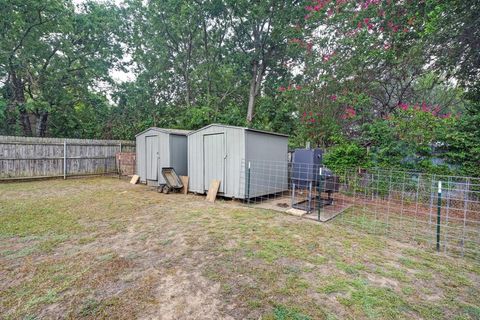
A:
[(53, 54), (453, 39), (262, 30)]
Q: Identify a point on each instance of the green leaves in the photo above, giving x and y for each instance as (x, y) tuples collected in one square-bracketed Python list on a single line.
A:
[(54, 56)]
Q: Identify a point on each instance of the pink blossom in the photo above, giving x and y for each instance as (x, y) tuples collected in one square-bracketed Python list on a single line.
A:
[(282, 89), (309, 47), (333, 97), (298, 87), (349, 113), (425, 107), (403, 106)]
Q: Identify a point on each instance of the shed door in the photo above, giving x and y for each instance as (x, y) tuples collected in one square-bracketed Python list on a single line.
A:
[(214, 160), (151, 146)]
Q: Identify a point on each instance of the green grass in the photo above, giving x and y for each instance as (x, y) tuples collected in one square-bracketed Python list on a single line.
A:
[(18, 220), (287, 313), (105, 248)]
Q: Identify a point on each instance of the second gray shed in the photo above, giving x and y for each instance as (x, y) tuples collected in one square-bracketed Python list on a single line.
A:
[(158, 148), (223, 152)]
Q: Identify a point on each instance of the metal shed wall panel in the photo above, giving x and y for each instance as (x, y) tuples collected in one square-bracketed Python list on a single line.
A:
[(151, 157), (141, 151), (140, 157), (267, 154), (233, 152), (178, 154), (172, 152), (214, 158), (163, 154)]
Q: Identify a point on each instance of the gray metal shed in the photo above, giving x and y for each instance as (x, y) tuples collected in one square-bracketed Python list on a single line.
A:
[(222, 152), (158, 148)]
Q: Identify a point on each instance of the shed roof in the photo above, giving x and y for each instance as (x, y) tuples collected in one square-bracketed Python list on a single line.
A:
[(166, 130), (243, 128)]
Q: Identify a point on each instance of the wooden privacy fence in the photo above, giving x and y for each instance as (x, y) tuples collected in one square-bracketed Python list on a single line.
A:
[(32, 157)]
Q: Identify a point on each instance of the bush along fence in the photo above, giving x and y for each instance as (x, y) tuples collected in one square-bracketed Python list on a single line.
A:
[(31, 157), (433, 211)]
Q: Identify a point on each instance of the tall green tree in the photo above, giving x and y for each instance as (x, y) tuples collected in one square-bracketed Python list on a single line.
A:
[(52, 54), (262, 30)]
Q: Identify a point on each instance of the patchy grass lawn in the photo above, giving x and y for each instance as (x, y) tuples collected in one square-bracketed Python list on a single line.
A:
[(102, 248)]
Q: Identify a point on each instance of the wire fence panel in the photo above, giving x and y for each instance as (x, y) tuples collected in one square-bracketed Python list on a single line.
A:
[(433, 211)]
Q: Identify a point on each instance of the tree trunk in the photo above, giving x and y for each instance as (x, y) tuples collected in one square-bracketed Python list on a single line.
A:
[(18, 88), (252, 93), (41, 125), (25, 121), (255, 84)]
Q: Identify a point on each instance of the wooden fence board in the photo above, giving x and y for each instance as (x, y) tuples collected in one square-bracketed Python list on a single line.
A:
[(31, 157)]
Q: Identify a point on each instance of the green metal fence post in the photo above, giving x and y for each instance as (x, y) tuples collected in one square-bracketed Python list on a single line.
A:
[(320, 189), (248, 183), (439, 206)]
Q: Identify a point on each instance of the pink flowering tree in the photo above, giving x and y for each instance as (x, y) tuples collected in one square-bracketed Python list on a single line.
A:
[(369, 48)]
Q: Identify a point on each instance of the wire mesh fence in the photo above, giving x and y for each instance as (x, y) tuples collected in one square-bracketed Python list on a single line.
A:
[(436, 211)]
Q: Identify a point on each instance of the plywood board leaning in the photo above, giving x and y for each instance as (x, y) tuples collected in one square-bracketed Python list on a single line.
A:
[(184, 179), (134, 179), (212, 191)]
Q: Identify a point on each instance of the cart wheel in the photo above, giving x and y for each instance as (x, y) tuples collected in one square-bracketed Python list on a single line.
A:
[(165, 189)]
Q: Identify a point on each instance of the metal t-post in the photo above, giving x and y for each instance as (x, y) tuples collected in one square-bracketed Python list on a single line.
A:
[(248, 183), (320, 189), (439, 206)]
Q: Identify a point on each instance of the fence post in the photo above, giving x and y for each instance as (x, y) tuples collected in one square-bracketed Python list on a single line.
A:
[(248, 183), (320, 189), (118, 165), (439, 206), (64, 159), (465, 209)]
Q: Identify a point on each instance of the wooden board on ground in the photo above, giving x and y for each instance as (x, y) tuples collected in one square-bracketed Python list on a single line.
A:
[(184, 179), (296, 212), (135, 179), (212, 191)]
